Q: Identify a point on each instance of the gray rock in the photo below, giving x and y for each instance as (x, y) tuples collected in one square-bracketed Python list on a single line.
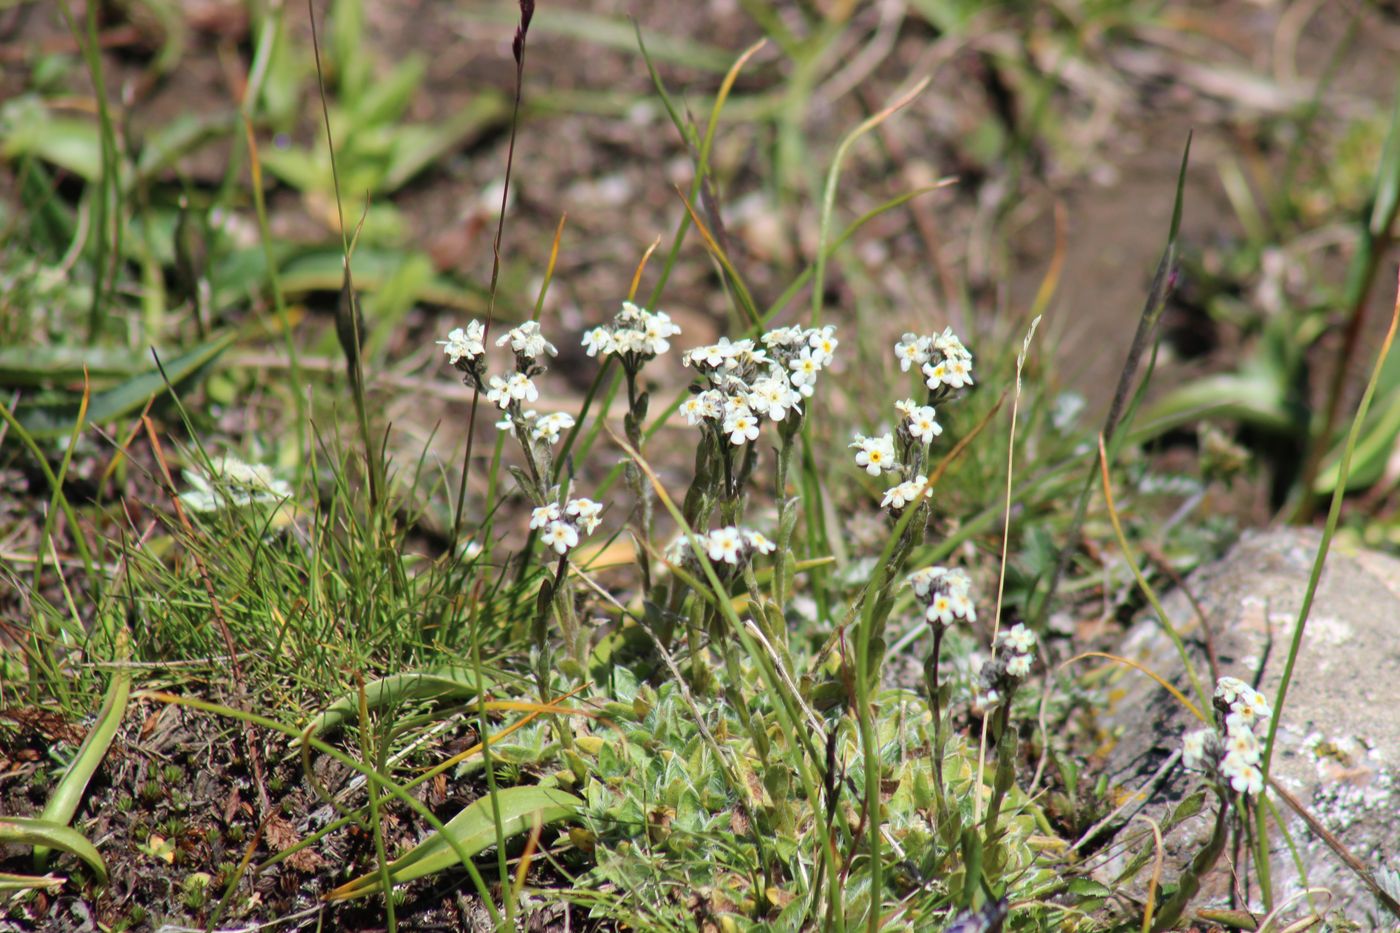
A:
[(1338, 748)]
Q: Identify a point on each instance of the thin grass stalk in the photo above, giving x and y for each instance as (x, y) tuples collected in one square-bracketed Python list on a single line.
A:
[(271, 29), (371, 750), (829, 192), (1202, 697), (509, 902), (109, 184), (1295, 643), (1120, 410), (527, 12), (349, 320)]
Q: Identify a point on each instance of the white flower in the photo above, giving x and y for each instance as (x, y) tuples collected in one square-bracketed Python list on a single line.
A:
[(1018, 638), (1019, 665), (657, 329), (773, 396), (906, 408), (805, 368), (923, 581), (875, 454), (712, 356), (231, 483), (897, 497), (741, 425), (527, 341), (586, 512), (598, 341), (1242, 774), (759, 542), (948, 344), (544, 515), (549, 427), (957, 580), (940, 609), (1193, 748), (1227, 688), (724, 544), (679, 549), (699, 407), (911, 350), (922, 425), (507, 423), (499, 394), (824, 344), (963, 606), (957, 372), (464, 343), (520, 388), (785, 336), (561, 536), (1244, 744)]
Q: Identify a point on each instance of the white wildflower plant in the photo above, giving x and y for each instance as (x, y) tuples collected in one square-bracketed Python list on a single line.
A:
[(634, 336), (906, 451), (562, 527), (741, 386), (946, 595), (730, 545), (1010, 665), (1230, 756), (229, 483)]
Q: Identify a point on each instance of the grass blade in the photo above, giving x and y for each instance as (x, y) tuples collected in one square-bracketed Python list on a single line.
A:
[(49, 421), (64, 800), (473, 830), (46, 834), (457, 682)]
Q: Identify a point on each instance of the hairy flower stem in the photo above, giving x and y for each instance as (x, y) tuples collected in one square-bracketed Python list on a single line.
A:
[(935, 705), (780, 556), (1189, 884), (641, 517), (1005, 774)]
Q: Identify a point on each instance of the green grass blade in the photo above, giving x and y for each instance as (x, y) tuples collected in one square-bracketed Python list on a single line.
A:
[(64, 800), (50, 421), (473, 830), (46, 834), (1334, 513), (444, 683), (833, 176)]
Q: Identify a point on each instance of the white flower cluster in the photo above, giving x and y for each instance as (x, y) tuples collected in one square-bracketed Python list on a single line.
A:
[(902, 494), (543, 428), (946, 593), (563, 527), (634, 336), (231, 483), (1017, 645), (747, 383), (466, 351), (919, 421), (527, 342), (464, 346), (875, 454), (730, 545), (1012, 664), (945, 363), (917, 427), (1232, 757)]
